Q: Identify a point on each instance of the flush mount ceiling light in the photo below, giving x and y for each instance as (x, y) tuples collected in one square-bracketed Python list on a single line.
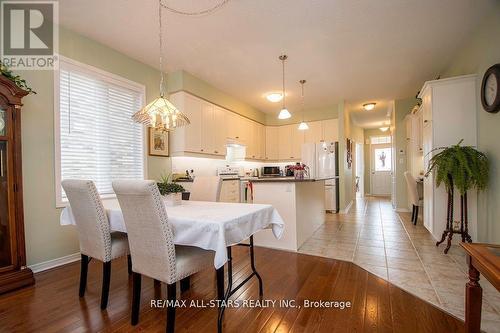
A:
[(303, 125), (284, 113), (369, 106), (384, 129), (274, 97)]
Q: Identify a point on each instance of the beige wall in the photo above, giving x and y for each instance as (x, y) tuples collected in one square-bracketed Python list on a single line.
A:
[(475, 56), (347, 129)]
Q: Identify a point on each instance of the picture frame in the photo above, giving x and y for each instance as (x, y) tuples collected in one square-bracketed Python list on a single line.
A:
[(158, 142)]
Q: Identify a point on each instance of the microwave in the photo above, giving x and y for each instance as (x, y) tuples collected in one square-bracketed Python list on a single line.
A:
[(270, 171)]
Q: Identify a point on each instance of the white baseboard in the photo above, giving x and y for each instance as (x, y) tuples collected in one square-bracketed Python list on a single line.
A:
[(42, 266), (347, 208), (402, 210)]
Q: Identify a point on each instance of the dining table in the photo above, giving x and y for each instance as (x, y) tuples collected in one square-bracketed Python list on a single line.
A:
[(215, 226)]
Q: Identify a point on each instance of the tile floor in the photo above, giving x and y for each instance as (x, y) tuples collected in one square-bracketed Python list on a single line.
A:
[(387, 244)]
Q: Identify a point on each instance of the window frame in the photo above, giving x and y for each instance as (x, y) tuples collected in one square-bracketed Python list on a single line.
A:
[(105, 76)]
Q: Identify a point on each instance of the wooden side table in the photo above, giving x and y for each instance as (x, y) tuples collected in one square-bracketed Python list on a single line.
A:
[(482, 259)]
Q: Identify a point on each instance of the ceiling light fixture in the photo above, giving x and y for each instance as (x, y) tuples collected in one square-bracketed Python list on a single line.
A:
[(274, 97), (161, 113), (384, 129), (369, 106), (303, 125), (284, 113)]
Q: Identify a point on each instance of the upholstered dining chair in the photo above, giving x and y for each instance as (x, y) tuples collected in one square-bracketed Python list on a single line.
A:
[(415, 200), (151, 243), (206, 188), (96, 240)]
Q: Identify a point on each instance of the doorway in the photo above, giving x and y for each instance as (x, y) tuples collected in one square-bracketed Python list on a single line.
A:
[(381, 169)]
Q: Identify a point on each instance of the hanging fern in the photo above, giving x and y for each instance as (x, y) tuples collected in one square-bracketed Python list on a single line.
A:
[(461, 167)]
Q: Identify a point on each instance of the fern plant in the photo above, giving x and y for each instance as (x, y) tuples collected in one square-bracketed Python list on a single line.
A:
[(460, 167)]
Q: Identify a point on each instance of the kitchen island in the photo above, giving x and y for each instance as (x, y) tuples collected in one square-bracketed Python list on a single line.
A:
[(301, 204)]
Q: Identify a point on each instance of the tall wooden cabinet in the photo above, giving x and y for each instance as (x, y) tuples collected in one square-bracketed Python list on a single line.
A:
[(13, 271)]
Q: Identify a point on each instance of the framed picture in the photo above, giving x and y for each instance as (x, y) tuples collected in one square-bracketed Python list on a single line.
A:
[(158, 142)]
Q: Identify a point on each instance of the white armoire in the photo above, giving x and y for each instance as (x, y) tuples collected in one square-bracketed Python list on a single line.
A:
[(449, 115)]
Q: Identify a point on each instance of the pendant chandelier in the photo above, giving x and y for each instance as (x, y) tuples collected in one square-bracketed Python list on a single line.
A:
[(161, 113), (284, 113), (303, 125)]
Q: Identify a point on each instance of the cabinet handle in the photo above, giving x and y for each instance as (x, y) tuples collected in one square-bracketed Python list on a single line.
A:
[(215, 151), (291, 156), (237, 137), (201, 149), (426, 121)]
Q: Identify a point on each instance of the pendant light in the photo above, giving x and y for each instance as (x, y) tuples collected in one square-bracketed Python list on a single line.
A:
[(161, 113), (284, 113), (303, 125)]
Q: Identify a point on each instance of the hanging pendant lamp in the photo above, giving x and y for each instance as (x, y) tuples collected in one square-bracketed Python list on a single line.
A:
[(161, 113), (284, 113), (303, 125)]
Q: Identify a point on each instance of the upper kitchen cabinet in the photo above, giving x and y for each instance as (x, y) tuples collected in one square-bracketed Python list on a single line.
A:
[(208, 128), (297, 142), (272, 143), (220, 130), (187, 138), (315, 132), (330, 130), (290, 141)]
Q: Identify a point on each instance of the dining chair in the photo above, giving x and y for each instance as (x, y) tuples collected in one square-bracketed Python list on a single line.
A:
[(96, 240), (415, 200), (206, 188), (151, 242)]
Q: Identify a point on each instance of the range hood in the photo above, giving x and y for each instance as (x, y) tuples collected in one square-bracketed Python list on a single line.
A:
[(234, 143), (235, 151)]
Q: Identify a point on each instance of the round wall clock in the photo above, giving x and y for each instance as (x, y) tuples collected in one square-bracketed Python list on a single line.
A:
[(490, 89)]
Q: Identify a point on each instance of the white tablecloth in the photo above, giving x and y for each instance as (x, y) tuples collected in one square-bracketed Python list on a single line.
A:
[(208, 225)]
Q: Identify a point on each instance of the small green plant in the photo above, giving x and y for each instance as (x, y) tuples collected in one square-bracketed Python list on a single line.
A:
[(166, 187), (21, 83), (460, 167)]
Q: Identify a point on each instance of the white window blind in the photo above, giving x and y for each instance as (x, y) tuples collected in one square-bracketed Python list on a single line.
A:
[(97, 138)]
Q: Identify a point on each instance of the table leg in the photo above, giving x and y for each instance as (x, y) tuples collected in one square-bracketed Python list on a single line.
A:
[(252, 264), (220, 283), (473, 301), (228, 291)]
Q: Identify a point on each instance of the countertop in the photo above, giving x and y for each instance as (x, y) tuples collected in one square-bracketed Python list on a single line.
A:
[(283, 179)]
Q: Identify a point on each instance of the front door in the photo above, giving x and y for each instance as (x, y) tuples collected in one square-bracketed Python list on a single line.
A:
[(381, 156)]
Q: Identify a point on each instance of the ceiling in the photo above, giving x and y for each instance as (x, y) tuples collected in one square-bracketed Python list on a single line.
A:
[(380, 116), (353, 50)]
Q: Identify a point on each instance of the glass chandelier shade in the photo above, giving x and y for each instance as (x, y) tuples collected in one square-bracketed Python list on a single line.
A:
[(161, 114), (284, 114), (303, 125)]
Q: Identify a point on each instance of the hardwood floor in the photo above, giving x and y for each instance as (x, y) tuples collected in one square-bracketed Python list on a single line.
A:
[(53, 305)]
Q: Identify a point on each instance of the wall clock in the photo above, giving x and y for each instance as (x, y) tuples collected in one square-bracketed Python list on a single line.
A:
[(490, 89)]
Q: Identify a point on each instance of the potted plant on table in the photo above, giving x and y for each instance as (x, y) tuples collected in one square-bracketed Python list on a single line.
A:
[(171, 191), (463, 168)]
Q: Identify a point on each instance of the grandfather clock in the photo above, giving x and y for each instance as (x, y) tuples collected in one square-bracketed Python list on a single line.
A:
[(13, 271)]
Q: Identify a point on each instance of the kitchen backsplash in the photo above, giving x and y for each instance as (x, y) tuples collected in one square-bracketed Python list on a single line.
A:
[(208, 166)]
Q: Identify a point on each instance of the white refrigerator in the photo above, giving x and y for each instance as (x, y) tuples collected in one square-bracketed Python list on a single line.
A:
[(322, 160)]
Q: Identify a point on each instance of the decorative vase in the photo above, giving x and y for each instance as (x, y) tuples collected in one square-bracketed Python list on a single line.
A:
[(173, 199)]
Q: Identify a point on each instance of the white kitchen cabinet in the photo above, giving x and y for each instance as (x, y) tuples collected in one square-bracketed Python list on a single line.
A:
[(284, 142), (297, 142), (262, 141), (315, 132), (208, 128), (220, 131), (272, 143), (330, 130), (449, 115), (187, 138)]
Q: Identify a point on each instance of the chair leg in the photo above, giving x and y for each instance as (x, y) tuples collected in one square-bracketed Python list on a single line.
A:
[(136, 297), (106, 279), (413, 213), (171, 296), (129, 264), (416, 215), (84, 268), (185, 284)]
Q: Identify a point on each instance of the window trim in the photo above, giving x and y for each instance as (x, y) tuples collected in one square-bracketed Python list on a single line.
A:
[(106, 76)]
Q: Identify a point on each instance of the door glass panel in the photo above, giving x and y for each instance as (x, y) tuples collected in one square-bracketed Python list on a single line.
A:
[(3, 123), (5, 253), (383, 159)]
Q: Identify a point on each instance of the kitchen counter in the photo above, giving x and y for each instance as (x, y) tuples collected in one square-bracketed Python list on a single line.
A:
[(301, 204)]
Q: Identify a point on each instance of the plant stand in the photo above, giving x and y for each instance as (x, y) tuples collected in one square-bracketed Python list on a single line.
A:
[(464, 223)]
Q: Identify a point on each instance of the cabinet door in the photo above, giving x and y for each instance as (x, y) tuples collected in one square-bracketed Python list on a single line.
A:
[(272, 143), (207, 128), (7, 232), (427, 106), (314, 133), (220, 128), (192, 134), (284, 142), (297, 142), (330, 130), (248, 137), (262, 142), (232, 125)]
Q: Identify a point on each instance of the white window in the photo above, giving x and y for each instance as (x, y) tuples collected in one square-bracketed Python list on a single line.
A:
[(95, 137), (380, 139)]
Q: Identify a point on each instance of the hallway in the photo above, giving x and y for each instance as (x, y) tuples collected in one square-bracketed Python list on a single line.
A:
[(385, 243)]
